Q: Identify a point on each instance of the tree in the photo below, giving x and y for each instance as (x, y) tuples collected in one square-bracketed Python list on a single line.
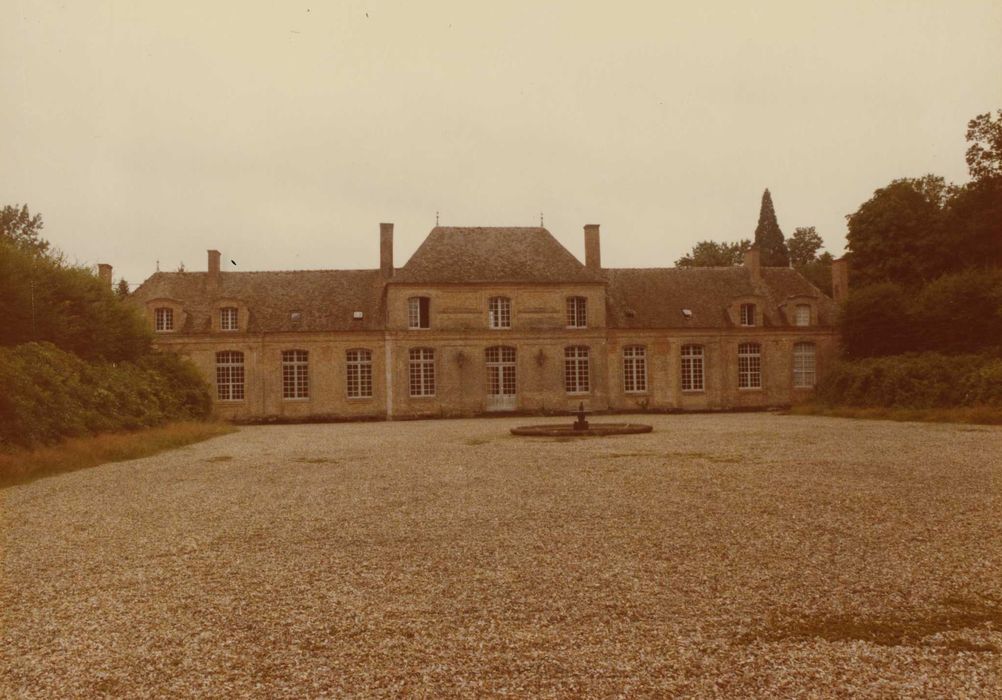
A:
[(804, 245), (984, 155), (769, 237), (877, 320), (713, 254), (122, 288), (19, 227)]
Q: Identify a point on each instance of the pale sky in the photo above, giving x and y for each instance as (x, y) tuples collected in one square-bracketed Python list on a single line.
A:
[(283, 133)]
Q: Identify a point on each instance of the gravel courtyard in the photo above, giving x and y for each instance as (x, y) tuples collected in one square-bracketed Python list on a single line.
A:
[(742, 555)]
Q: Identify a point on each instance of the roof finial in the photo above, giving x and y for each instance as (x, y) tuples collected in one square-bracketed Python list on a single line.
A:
[(436, 218), (158, 266), (540, 219)]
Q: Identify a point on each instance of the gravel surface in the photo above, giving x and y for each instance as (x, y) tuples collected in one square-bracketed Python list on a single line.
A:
[(742, 555)]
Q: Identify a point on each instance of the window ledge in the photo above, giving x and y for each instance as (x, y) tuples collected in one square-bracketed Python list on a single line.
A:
[(358, 399), (641, 392), (750, 388), (693, 391), (296, 400)]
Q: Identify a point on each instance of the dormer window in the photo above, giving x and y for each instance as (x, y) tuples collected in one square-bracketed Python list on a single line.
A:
[(163, 318), (747, 314), (228, 319), (577, 312), (802, 315), (418, 315), (499, 312)]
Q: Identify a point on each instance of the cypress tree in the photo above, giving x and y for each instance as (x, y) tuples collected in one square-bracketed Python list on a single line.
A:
[(768, 237)]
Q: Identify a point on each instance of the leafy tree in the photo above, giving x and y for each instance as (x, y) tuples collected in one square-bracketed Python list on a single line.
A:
[(877, 320), (20, 228), (818, 272), (984, 155), (713, 254), (769, 237), (804, 245), (122, 288), (961, 312)]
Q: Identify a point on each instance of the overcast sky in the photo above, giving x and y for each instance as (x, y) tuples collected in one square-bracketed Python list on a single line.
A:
[(283, 133)]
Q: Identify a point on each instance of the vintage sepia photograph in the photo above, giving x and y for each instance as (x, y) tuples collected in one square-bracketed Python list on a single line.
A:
[(384, 349)]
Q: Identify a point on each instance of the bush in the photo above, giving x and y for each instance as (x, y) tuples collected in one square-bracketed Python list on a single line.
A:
[(961, 312), (50, 394), (877, 320), (926, 380)]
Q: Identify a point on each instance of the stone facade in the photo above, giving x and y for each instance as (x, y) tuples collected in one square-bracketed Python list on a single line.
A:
[(637, 324)]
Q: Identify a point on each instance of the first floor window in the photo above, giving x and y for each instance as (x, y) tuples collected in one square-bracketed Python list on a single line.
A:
[(359, 374), (422, 372), (747, 314), (802, 315), (499, 312), (500, 371), (634, 368), (295, 374), (418, 312), (749, 366), (230, 375), (164, 318), (577, 312), (692, 368), (804, 370), (576, 379), (228, 318)]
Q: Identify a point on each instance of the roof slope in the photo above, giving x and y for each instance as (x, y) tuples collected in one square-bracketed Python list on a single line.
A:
[(655, 297), (325, 299), (492, 254)]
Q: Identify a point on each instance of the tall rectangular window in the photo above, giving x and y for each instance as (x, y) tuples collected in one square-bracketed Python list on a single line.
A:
[(802, 315), (422, 372), (634, 369), (228, 318), (749, 366), (230, 375), (692, 368), (418, 312), (295, 374), (576, 375), (163, 319), (804, 368), (577, 312), (747, 314), (359, 374), (499, 312)]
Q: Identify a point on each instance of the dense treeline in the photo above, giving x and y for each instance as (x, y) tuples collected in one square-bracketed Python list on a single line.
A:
[(75, 358)]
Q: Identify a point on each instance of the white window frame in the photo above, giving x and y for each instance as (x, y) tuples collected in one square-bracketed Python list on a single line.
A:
[(747, 314), (635, 369), (163, 319), (499, 313), (802, 315), (229, 318), (749, 366), (421, 372), (295, 375), (419, 318), (358, 373), (577, 369), (230, 377), (692, 366), (805, 367), (577, 312), (499, 358)]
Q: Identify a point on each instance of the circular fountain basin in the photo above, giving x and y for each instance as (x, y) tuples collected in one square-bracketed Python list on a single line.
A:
[(593, 430)]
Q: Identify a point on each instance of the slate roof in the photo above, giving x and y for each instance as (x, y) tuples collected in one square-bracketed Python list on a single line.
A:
[(655, 297), (325, 299), (492, 254)]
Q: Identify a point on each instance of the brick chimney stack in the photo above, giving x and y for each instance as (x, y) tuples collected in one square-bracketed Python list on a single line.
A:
[(593, 249), (214, 264), (104, 273), (840, 280), (753, 261), (386, 250)]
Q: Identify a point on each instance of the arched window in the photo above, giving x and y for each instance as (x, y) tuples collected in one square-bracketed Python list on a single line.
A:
[(804, 366), (295, 374), (499, 312), (359, 374), (230, 375), (418, 312), (421, 372), (576, 375), (749, 366), (634, 369), (577, 312), (692, 368)]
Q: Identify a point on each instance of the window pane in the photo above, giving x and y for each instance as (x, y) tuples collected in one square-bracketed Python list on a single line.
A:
[(359, 375), (295, 374), (804, 366), (749, 366), (803, 316), (692, 368), (229, 375)]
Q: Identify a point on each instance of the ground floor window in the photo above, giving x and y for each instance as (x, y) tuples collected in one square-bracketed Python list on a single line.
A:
[(804, 369), (692, 368), (500, 371), (229, 375), (634, 369), (422, 372), (295, 374), (749, 366), (576, 375), (359, 374)]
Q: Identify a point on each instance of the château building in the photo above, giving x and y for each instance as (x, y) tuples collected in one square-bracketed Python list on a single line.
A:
[(494, 319)]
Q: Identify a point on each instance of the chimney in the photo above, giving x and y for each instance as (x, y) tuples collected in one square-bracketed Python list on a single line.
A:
[(753, 261), (840, 279), (386, 250), (593, 250), (104, 273)]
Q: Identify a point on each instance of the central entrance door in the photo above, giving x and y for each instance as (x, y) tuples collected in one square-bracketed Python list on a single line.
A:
[(500, 378)]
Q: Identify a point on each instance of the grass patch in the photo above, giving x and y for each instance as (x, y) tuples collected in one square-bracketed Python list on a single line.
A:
[(315, 460), (979, 415), (80, 453)]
